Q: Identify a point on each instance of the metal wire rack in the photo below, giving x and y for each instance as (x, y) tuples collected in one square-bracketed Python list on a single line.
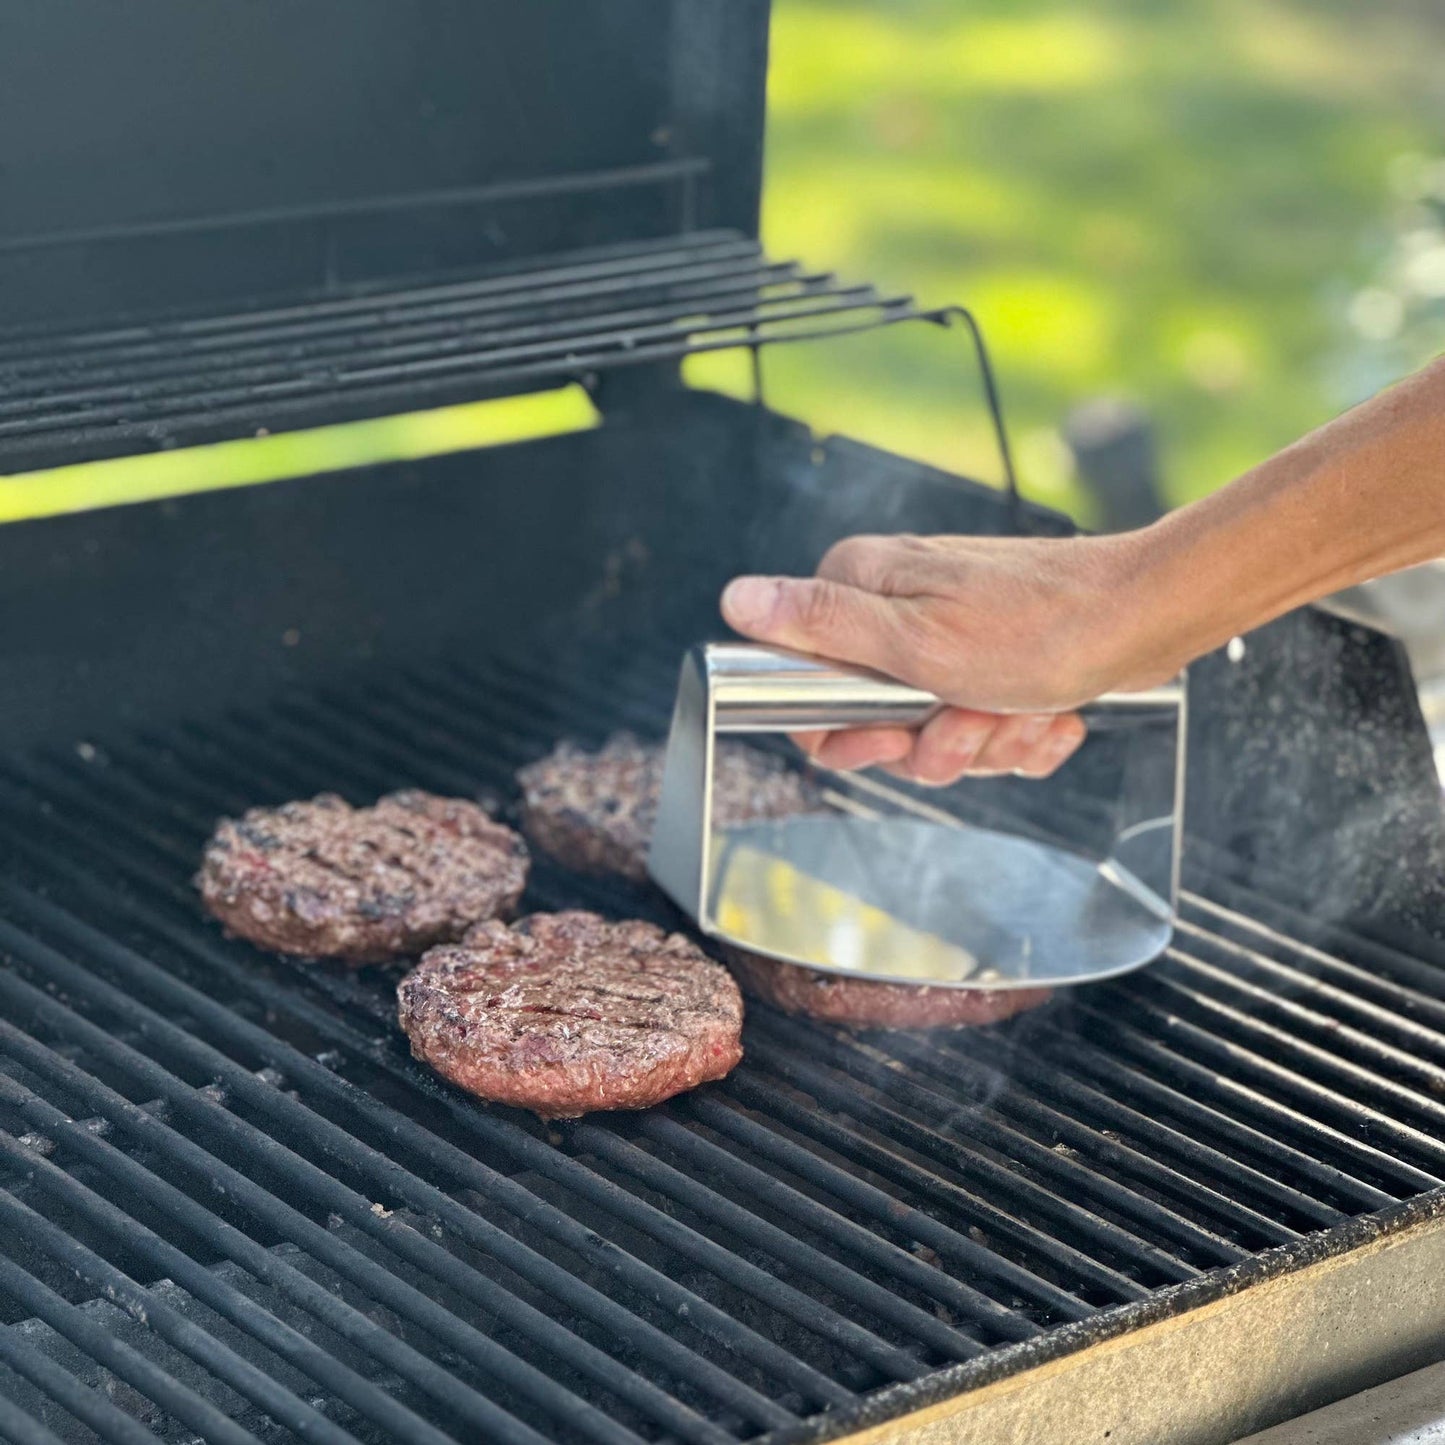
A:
[(165, 383)]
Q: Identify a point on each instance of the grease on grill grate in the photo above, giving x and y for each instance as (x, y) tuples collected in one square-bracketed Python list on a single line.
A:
[(228, 1193)]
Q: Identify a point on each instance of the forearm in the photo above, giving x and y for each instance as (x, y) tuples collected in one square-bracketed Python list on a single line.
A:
[(1014, 633), (1360, 497)]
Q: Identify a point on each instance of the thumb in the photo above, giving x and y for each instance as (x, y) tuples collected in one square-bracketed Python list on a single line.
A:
[(827, 618)]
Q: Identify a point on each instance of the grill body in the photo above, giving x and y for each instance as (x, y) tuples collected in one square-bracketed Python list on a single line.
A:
[(234, 1209), (849, 1231)]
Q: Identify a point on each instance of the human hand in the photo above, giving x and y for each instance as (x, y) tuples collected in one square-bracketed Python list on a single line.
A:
[(1014, 634)]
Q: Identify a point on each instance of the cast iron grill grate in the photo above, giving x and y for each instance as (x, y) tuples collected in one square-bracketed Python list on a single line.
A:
[(230, 1196)]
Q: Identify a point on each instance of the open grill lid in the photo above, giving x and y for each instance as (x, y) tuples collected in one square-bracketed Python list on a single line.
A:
[(256, 217), (177, 155)]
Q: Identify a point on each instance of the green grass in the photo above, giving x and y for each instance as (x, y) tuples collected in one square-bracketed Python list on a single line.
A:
[(1170, 200)]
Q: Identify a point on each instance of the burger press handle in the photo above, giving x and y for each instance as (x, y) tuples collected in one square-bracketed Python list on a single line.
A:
[(913, 894)]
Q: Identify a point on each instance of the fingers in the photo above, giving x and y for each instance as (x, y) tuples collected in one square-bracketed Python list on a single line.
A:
[(830, 619), (861, 748), (954, 744), (1031, 744), (948, 745)]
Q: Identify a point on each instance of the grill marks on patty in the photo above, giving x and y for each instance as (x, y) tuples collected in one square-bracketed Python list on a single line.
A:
[(594, 811), (367, 885), (566, 1013)]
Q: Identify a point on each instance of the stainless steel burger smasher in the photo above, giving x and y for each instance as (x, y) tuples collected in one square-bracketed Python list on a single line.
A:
[(895, 884)]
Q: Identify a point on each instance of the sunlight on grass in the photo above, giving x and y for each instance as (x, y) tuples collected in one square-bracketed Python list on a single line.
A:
[(296, 454), (1168, 200), (828, 49)]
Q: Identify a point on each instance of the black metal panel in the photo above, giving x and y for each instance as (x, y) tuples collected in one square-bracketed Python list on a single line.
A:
[(1313, 774), (168, 154), (132, 612)]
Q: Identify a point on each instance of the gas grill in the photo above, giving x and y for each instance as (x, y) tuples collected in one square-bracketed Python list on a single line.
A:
[(1175, 1207)]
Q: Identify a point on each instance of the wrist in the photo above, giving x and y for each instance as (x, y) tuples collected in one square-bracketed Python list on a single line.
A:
[(1147, 621)]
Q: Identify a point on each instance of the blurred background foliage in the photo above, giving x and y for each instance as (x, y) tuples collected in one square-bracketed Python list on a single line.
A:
[(1228, 211), (1231, 212)]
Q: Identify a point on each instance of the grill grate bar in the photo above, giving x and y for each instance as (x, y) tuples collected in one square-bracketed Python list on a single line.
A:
[(258, 1261), (122, 1360), (611, 268), (189, 1102), (882, 1254), (1412, 984), (247, 1379), (572, 352), (1126, 1027), (397, 317), (1190, 1148), (1060, 1258), (1326, 1084), (1418, 1048), (412, 1190), (995, 1106), (956, 1124), (1399, 1083), (90, 1407), (1123, 1160), (1173, 1087), (203, 377), (704, 1200), (1020, 1196), (391, 342), (727, 1118), (24, 1429)]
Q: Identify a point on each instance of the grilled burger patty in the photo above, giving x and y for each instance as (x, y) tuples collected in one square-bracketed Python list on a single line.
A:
[(564, 1013), (594, 812), (368, 885), (864, 1003)]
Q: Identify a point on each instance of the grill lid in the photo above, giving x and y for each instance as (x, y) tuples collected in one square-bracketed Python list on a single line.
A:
[(213, 154)]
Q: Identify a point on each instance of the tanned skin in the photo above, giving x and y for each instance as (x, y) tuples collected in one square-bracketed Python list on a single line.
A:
[(1015, 634)]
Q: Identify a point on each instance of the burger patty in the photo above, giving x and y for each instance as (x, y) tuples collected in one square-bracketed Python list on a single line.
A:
[(564, 1013), (864, 1003), (368, 885), (594, 812)]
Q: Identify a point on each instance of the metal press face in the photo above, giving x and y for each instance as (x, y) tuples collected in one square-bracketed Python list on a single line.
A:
[(1008, 883), (906, 900)]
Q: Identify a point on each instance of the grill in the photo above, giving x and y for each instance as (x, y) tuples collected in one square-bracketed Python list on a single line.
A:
[(351, 1251), (234, 1209)]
